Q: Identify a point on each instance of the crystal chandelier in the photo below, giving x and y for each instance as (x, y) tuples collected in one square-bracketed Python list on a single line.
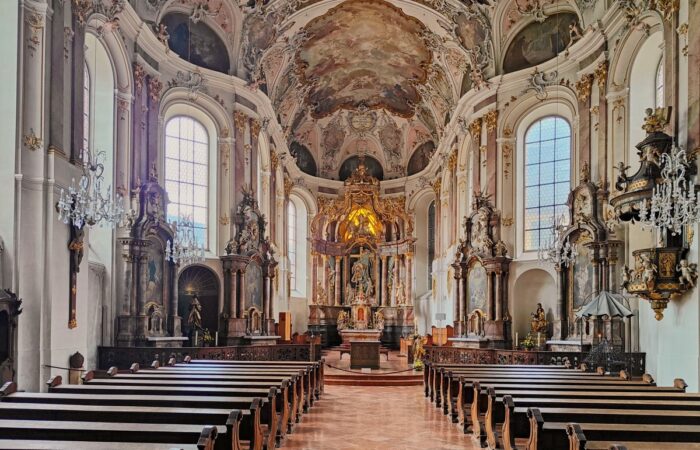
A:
[(184, 249), (554, 251), (87, 202), (674, 203)]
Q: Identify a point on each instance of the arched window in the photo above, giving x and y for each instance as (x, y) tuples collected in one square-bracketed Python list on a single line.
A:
[(547, 177), (292, 244), (187, 174), (431, 240), (86, 110), (659, 85)]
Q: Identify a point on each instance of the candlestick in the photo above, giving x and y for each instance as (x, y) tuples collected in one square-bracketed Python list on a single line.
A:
[(516, 340), (195, 338), (216, 339)]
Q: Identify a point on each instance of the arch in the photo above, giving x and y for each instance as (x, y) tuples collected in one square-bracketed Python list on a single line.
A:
[(420, 158), (532, 286), (550, 36), (197, 43), (374, 167), (297, 245), (527, 113), (200, 280), (420, 203)]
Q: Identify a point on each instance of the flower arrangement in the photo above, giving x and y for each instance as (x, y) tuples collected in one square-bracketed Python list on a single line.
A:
[(529, 342)]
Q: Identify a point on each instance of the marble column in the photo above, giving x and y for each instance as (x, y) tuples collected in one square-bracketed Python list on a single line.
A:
[(384, 294), (33, 349), (233, 289), (409, 278), (559, 324), (489, 296), (376, 279), (392, 299), (457, 307), (240, 297), (337, 281), (497, 295), (314, 276), (266, 296)]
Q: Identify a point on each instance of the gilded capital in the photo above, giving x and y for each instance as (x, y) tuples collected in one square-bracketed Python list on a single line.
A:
[(491, 120), (583, 87)]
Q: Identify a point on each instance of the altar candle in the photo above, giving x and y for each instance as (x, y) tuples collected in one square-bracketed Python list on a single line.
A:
[(516, 339), (195, 338), (538, 338), (216, 339)]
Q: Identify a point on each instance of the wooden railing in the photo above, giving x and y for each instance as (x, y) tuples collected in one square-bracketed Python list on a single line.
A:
[(123, 357), (634, 362)]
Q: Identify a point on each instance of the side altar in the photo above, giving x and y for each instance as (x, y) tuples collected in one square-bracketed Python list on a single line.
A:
[(362, 265)]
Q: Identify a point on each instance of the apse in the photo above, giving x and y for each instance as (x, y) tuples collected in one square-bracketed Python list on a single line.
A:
[(374, 168)]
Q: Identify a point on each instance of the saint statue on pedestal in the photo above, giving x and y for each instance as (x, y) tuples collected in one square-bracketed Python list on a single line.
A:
[(195, 317)]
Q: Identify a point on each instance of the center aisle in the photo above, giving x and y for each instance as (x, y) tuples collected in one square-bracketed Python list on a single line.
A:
[(376, 417)]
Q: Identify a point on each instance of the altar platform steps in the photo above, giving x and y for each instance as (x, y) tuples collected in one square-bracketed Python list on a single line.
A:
[(348, 379)]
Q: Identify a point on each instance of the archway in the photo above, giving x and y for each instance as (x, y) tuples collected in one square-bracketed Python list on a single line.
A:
[(530, 288), (202, 282)]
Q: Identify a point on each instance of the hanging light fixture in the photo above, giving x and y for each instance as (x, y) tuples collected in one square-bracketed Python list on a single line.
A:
[(87, 203), (554, 250), (184, 249), (674, 203)]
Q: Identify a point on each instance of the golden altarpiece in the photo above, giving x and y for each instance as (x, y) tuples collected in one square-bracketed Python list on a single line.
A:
[(362, 263), (481, 270)]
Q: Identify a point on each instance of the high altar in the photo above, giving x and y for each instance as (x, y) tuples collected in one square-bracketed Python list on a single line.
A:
[(362, 266)]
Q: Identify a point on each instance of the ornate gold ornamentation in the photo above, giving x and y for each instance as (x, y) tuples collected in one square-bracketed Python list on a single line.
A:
[(274, 161), (139, 77), (164, 37), (452, 160), (656, 119), (224, 220), (82, 10), (32, 141), (482, 155), (240, 120), (224, 154), (36, 22), (288, 185), (437, 186), (595, 111), (475, 129), (583, 88), (507, 132), (491, 120), (507, 221), (254, 128), (507, 148), (154, 89), (618, 109), (601, 75), (690, 234), (667, 8)]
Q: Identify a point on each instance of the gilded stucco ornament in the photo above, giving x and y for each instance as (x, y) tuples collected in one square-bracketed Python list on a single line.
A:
[(583, 88), (32, 141)]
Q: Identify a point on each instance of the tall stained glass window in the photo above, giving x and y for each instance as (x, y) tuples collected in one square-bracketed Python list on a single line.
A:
[(187, 174), (292, 244), (547, 177)]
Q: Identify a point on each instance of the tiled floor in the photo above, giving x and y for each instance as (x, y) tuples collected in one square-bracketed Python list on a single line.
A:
[(368, 418)]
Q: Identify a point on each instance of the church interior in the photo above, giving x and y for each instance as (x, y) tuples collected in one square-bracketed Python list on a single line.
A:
[(268, 223)]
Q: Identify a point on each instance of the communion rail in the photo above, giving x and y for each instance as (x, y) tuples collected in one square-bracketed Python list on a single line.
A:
[(123, 357)]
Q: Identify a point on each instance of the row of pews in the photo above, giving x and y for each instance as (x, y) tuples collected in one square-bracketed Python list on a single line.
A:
[(557, 407), (198, 404)]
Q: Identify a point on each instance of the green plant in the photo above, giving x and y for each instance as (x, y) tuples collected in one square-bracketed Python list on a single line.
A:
[(529, 342)]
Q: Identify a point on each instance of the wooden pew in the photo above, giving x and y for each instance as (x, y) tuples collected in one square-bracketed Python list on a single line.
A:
[(621, 417), (562, 435), (578, 441), (249, 428), (285, 404), (268, 414)]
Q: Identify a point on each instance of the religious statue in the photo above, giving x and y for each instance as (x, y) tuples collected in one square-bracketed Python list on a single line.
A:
[(538, 322), (378, 320), (400, 293), (648, 270), (627, 274), (501, 249), (480, 233), (418, 351), (689, 273), (342, 320), (155, 319), (349, 294), (195, 318), (321, 297)]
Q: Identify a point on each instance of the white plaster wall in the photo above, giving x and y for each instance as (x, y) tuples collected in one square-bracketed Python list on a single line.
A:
[(8, 124)]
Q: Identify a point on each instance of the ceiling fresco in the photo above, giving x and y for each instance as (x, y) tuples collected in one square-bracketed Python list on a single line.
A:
[(363, 52)]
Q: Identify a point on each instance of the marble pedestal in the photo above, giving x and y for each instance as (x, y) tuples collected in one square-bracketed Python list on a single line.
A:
[(260, 340), (165, 341), (349, 336), (469, 342)]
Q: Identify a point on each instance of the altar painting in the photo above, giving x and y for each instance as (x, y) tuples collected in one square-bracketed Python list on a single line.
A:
[(477, 288), (152, 273), (582, 277), (254, 286)]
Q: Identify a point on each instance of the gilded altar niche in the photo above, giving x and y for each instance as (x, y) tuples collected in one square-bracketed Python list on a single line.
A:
[(249, 271), (480, 274), (592, 269), (362, 262), (149, 312)]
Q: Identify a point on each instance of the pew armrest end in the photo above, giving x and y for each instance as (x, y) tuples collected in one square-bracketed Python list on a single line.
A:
[(577, 440), (188, 359), (207, 438), (647, 378), (54, 381), (8, 388), (679, 383), (155, 364), (134, 368)]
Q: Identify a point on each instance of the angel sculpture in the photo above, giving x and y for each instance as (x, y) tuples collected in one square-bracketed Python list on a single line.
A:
[(342, 320), (648, 272), (689, 272), (626, 275)]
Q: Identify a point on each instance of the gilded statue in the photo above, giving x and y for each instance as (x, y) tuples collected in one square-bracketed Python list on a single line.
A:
[(321, 297), (342, 320), (538, 322), (378, 320), (195, 317)]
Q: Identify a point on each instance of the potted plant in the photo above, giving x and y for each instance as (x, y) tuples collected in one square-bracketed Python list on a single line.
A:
[(528, 343)]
